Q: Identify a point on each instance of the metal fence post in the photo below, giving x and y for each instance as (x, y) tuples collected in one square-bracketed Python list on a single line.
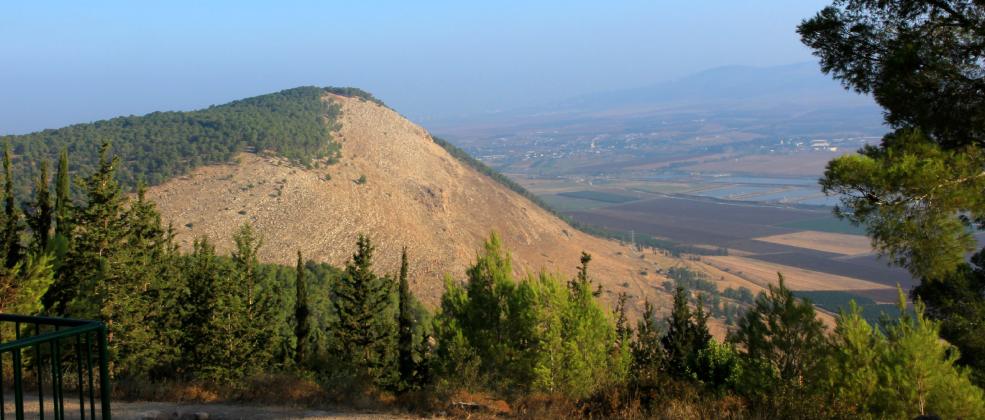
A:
[(104, 386)]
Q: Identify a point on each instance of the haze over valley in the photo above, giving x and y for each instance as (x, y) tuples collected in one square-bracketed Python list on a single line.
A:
[(726, 159), (492, 210)]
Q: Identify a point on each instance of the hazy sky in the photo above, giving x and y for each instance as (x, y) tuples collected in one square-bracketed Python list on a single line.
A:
[(78, 61)]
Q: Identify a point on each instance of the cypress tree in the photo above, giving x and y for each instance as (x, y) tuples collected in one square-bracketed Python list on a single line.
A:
[(245, 257), (261, 300), (63, 199), (424, 363), (11, 225), (701, 334), (687, 333), (40, 217), (677, 341), (405, 325), (648, 352), (301, 312), (623, 330)]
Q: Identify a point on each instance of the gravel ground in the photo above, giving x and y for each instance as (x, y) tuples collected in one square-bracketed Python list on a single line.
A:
[(165, 410)]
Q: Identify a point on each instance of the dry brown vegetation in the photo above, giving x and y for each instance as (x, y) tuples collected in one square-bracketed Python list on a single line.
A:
[(415, 194)]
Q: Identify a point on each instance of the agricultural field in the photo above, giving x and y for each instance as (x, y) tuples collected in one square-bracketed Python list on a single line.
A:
[(759, 239), (759, 224), (762, 273), (795, 164), (826, 224), (815, 250), (837, 243)]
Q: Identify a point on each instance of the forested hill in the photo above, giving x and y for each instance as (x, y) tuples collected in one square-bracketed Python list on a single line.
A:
[(294, 123)]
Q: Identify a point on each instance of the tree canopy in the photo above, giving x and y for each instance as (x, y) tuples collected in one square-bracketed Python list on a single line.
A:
[(294, 123), (924, 62), (919, 192)]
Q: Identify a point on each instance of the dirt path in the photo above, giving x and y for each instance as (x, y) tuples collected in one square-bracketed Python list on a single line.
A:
[(164, 410)]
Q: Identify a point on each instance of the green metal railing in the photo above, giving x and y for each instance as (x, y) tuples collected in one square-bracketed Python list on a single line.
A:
[(49, 356)]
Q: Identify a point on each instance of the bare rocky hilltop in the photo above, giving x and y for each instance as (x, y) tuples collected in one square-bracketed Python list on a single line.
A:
[(397, 185)]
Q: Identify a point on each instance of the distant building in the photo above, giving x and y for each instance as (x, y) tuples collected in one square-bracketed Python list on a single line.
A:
[(821, 145)]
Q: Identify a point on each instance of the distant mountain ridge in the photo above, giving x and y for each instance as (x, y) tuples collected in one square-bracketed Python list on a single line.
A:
[(731, 84), (777, 94)]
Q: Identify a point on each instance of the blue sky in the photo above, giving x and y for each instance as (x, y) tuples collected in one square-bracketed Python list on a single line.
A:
[(71, 61)]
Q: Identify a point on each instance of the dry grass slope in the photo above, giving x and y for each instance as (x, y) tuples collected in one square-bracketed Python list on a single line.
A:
[(415, 194)]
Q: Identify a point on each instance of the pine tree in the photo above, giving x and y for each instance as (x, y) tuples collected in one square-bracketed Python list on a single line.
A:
[(784, 349), (852, 374), (539, 334), (588, 339), (139, 286), (215, 323), (364, 305), (405, 325), (301, 313), (119, 268), (784, 331), (40, 212), (718, 366), (918, 191), (958, 303), (11, 217), (902, 369), (98, 234), (920, 376)]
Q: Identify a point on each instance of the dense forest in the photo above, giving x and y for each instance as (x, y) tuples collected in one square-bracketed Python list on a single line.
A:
[(294, 123), (227, 322)]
